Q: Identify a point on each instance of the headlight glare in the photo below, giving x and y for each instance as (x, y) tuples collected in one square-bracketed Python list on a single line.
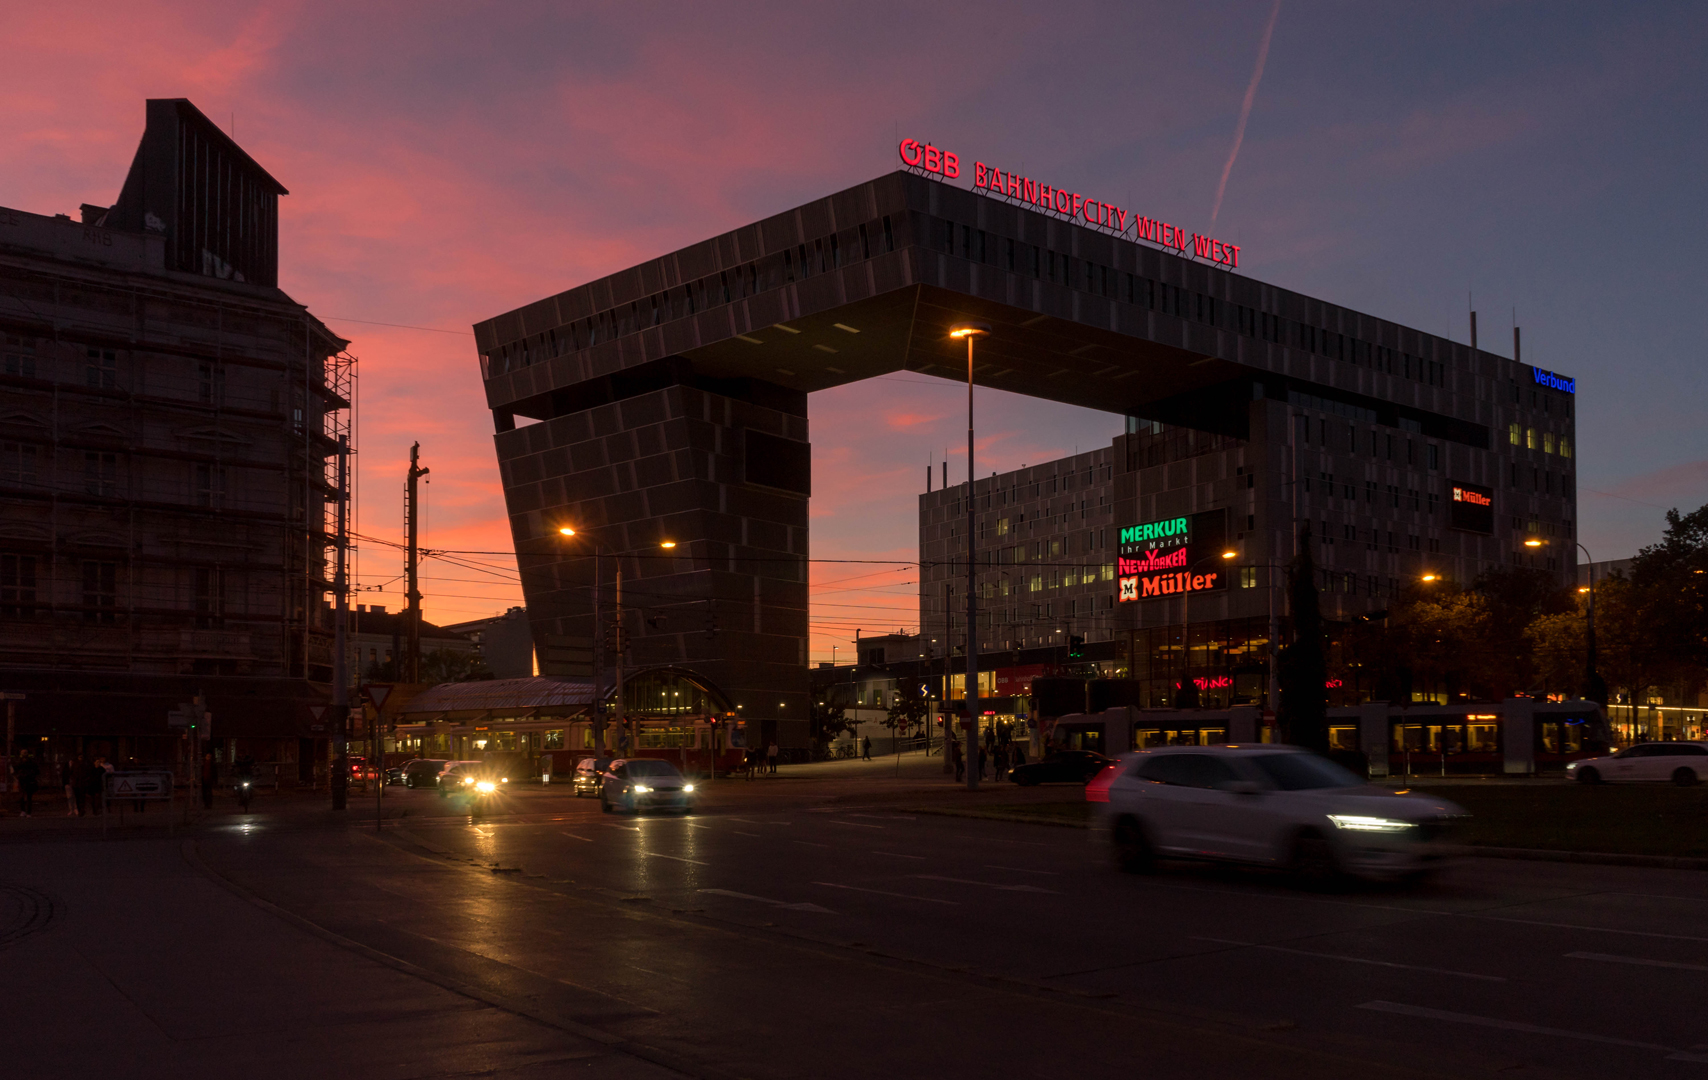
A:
[(1363, 823), (486, 787), (642, 789), (687, 787)]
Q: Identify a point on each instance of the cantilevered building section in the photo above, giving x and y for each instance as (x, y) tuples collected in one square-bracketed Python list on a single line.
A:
[(168, 426), (668, 401)]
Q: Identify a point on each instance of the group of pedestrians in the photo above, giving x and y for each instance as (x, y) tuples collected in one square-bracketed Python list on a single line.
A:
[(760, 762), (997, 754), (82, 779)]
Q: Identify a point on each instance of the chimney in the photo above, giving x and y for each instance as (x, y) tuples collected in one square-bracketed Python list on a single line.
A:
[(927, 479)]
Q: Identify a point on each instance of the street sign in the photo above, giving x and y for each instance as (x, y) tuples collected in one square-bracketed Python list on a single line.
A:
[(378, 694), (139, 785)]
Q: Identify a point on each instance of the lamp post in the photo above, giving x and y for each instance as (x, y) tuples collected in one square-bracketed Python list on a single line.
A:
[(1595, 687), (599, 637), (1186, 630), (971, 331)]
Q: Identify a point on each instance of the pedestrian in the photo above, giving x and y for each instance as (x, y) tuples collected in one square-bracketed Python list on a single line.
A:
[(28, 772), (209, 771), (959, 759), (80, 771), (95, 785), (866, 748), (68, 777), (1001, 759), (771, 756)]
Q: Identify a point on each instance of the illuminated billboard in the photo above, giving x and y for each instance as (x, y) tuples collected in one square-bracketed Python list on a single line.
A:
[(1470, 508), (1157, 558)]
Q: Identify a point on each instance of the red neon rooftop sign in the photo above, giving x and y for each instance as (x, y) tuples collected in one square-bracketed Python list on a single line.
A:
[(1069, 204)]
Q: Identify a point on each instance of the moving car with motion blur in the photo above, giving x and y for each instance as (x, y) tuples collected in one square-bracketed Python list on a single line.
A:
[(455, 776), (1684, 763), (635, 784), (1267, 805), (1062, 767)]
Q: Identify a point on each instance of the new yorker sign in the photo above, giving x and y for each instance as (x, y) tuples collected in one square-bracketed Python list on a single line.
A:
[(1072, 205), (1154, 559)]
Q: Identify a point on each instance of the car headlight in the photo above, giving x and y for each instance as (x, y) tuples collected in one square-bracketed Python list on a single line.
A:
[(687, 787), (486, 787), (642, 789), (1361, 823), (503, 779)]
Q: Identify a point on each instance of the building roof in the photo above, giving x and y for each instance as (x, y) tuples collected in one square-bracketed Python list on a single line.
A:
[(542, 692), (385, 623)]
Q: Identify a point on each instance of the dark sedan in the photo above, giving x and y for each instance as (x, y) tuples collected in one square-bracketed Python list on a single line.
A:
[(1066, 767), (421, 772)]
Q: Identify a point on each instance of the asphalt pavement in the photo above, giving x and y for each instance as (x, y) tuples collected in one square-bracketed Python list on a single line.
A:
[(814, 928)]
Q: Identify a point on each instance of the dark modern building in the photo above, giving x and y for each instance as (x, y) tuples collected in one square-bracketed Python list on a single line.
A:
[(168, 425), (669, 402)]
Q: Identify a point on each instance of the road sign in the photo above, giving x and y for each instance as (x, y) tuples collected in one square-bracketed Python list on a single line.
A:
[(378, 694)]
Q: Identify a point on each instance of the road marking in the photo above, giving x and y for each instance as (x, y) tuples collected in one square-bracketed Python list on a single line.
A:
[(572, 836), (898, 855), (885, 817), (987, 884), (1020, 870), (808, 843), (738, 832), (1354, 959), (625, 828), (1529, 1029), (691, 825), (1607, 958), (880, 892), (677, 858), (855, 824), (785, 905), (1574, 926), (750, 821)]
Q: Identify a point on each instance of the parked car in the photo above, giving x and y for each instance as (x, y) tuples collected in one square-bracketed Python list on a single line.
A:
[(455, 775), (589, 776), (1684, 763), (1267, 805), (1062, 767), (421, 771), (636, 784)]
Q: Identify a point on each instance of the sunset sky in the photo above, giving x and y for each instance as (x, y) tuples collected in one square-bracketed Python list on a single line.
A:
[(449, 161)]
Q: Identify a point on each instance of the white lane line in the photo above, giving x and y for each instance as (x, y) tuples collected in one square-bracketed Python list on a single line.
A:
[(677, 858), (885, 817), (898, 855), (706, 827), (750, 821), (856, 824), (1529, 1029), (1354, 959), (987, 884), (738, 832), (767, 900), (880, 892), (1574, 926), (625, 828), (572, 836), (1610, 959), (808, 843), (1022, 870)]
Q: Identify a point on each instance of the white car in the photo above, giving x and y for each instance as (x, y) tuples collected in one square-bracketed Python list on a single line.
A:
[(1684, 763), (1266, 805), (635, 784)]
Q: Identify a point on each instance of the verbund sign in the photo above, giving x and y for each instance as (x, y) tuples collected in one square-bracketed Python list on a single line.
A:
[(1069, 204)]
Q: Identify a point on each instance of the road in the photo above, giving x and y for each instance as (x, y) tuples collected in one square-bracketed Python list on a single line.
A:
[(776, 936)]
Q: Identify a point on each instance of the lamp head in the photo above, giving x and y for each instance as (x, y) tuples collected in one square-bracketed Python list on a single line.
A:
[(969, 329), (567, 531), (1429, 577), (1532, 543), (1230, 554), (667, 544), (1583, 588)]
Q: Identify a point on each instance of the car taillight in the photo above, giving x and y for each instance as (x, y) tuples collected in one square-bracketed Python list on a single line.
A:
[(1097, 789)]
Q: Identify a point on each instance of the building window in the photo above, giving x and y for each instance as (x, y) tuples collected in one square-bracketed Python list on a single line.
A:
[(100, 368), (210, 485), (17, 463), (100, 591), (18, 585), (1530, 438), (210, 380), (20, 356), (210, 596), (1248, 577), (100, 473)]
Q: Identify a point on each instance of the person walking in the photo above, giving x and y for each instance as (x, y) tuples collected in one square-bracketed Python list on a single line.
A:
[(771, 757), (28, 772), (93, 783), (209, 774), (865, 748), (68, 778)]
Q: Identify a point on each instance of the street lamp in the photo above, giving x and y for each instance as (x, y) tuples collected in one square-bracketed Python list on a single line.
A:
[(1187, 688), (971, 331), (599, 636), (1595, 688)]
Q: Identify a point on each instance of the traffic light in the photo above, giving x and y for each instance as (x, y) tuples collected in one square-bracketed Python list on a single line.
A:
[(1076, 646)]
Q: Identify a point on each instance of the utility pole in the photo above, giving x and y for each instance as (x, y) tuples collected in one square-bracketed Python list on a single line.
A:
[(598, 661), (971, 331), (617, 664), (341, 619), (412, 516)]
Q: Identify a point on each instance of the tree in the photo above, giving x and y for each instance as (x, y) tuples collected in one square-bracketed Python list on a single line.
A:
[(1303, 715), (437, 666), (827, 722), (908, 709)]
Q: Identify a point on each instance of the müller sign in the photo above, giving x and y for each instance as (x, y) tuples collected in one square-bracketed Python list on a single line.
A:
[(1069, 204)]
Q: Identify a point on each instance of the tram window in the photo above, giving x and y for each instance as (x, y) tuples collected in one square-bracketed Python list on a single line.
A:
[(1343, 738), (1485, 739), (1550, 738)]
